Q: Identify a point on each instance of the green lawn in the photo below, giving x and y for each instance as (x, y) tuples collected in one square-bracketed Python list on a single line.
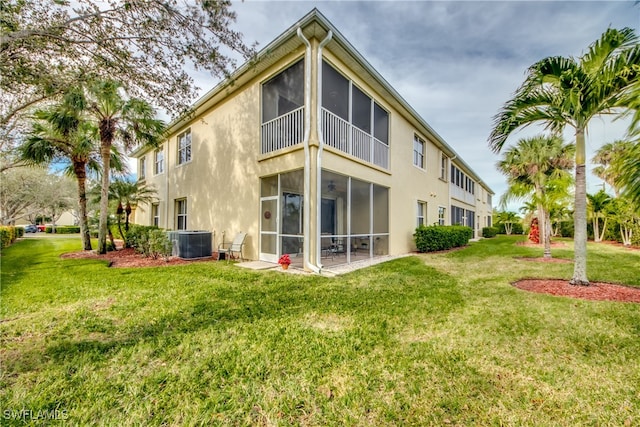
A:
[(439, 339)]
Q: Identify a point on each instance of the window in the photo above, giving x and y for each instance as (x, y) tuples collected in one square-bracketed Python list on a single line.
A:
[(442, 211), (418, 152), (283, 93), (489, 199), (181, 214), (142, 168), (457, 216), (443, 166), (421, 214), (184, 147), (470, 217), (158, 159), (155, 214)]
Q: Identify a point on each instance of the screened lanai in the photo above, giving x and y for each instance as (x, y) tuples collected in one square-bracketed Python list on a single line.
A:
[(354, 222)]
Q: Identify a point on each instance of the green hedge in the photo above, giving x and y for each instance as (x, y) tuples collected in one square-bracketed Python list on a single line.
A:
[(8, 235), (441, 237), (64, 229), (489, 232)]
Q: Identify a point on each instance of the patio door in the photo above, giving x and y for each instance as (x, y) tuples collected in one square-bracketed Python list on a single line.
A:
[(269, 229)]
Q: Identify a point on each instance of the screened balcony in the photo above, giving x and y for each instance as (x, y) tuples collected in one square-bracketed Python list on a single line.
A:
[(352, 121), (283, 109), (342, 135)]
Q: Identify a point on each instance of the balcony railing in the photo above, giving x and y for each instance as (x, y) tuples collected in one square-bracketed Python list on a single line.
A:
[(342, 135), (282, 132)]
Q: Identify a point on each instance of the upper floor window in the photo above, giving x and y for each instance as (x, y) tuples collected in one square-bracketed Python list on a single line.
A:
[(418, 152), (421, 213), (158, 161), (142, 168), (443, 166), (489, 199), (184, 147), (283, 93), (181, 214)]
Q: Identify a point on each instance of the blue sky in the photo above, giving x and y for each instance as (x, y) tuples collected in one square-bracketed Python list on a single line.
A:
[(456, 63)]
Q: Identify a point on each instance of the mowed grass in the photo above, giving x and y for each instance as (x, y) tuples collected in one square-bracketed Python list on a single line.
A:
[(440, 339)]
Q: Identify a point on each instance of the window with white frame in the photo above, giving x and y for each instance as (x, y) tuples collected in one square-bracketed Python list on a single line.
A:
[(142, 168), (442, 211), (181, 214), (155, 214), (418, 152), (421, 213), (489, 199), (158, 161), (443, 166), (184, 147)]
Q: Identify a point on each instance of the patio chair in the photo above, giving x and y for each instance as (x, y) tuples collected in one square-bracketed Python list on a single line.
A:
[(228, 249)]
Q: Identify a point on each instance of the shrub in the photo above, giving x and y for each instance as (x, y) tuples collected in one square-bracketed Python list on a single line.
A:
[(159, 244), (441, 237), (8, 235), (489, 232), (150, 241), (64, 229), (19, 232)]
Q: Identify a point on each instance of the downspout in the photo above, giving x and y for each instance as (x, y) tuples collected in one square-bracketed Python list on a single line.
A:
[(323, 43), (307, 160)]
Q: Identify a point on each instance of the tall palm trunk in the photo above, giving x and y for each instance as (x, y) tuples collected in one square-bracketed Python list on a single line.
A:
[(580, 214), (547, 234), (80, 171), (105, 153), (596, 228), (544, 225)]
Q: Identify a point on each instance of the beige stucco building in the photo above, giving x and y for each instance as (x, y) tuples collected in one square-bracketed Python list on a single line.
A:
[(312, 153)]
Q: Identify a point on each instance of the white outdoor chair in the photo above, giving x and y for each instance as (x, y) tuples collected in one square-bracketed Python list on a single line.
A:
[(228, 249)]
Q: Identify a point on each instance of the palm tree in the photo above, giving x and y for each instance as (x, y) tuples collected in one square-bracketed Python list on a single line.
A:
[(629, 178), (534, 167), (119, 121), (560, 92), (610, 158), (59, 134), (128, 194), (507, 218), (597, 206)]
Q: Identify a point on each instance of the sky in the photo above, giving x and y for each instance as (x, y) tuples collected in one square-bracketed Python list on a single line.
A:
[(456, 62)]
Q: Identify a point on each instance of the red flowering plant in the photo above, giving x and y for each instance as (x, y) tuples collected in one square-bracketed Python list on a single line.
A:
[(284, 260)]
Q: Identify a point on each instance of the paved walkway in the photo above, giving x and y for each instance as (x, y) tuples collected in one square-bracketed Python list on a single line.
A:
[(331, 272)]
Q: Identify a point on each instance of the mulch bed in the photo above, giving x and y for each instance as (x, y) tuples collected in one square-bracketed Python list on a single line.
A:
[(124, 258), (597, 291)]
